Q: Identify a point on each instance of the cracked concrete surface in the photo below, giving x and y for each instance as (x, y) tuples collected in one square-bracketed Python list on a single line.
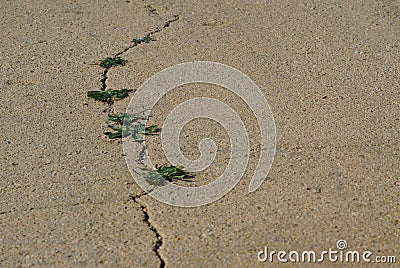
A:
[(329, 71)]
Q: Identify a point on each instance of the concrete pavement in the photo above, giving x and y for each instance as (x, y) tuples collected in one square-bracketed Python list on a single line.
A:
[(329, 71)]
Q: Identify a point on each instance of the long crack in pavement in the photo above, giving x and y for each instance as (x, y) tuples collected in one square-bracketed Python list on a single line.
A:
[(146, 219), (135, 198)]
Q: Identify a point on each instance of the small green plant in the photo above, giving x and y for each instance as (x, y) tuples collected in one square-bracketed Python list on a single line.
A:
[(108, 95), (129, 118), (145, 39), (112, 61), (165, 173), (131, 127), (135, 131)]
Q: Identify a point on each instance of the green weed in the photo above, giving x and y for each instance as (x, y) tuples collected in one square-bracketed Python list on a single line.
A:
[(165, 173), (109, 95), (131, 127), (112, 61)]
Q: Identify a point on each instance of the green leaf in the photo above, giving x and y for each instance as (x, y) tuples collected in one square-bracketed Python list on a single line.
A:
[(117, 118), (115, 127), (108, 95), (119, 94), (154, 178), (112, 61), (137, 137), (171, 173), (126, 118), (152, 129), (99, 95), (114, 135), (165, 173), (135, 130)]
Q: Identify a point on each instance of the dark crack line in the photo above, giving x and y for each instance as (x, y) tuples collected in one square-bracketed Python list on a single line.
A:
[(104, 77), (135, 198), (146, 219), (166, 25)]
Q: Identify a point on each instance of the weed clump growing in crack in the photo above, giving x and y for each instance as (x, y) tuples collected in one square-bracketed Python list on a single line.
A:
[(134, 131), (109, 95), (112, 61), (131, 127), (145, 39), (164, 173)]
